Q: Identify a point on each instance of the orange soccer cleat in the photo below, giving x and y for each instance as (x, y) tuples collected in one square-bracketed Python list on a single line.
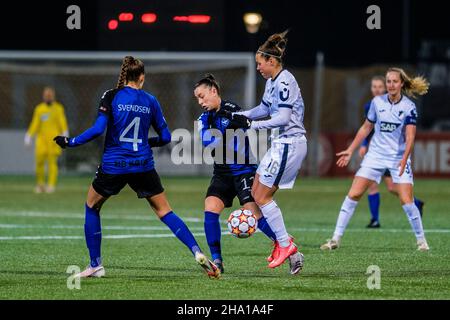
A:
[(283, 254), (274, 253), (276, 246)]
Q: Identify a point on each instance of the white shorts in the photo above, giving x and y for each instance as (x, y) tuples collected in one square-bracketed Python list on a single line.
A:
[(281, 164), (376, 174)]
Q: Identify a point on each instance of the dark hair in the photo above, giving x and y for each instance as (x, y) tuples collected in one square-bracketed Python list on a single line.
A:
[(209, 81), (130, 70), (275, 46)]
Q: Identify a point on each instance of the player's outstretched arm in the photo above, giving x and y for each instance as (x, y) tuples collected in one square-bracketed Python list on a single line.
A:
[(90, 134), (346, 155), (164, 137), (282, 118), (260, 111)]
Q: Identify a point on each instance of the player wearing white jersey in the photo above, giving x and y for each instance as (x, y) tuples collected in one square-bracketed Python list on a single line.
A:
[(282, 101), (378, 88), (393, 117)]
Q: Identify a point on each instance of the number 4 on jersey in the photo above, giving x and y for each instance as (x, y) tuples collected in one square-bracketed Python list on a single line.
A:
[(135, 123)]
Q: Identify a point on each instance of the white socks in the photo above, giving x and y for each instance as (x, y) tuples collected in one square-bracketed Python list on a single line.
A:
[(346, 213), (274, 218), (415, 220)]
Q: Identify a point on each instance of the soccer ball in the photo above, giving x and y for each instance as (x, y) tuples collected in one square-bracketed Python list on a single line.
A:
[(242, 223)]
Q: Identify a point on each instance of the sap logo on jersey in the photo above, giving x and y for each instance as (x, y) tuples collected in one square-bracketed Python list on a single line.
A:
[(388, 126), (133, 107)]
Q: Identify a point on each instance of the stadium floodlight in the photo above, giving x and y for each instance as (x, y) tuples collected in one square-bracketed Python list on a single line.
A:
[(252, 21)]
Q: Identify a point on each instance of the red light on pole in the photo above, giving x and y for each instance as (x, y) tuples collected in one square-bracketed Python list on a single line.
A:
[(126, 16), (148, 18), (113, 24), (193, 18)]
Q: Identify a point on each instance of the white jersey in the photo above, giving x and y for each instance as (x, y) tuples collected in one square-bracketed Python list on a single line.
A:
[(388, 142), (284, 92)]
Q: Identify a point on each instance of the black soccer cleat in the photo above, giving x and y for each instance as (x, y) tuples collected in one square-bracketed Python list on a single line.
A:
[(373, 224)]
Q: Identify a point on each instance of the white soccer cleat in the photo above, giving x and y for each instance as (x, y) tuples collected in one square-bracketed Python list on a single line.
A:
[(210, 268), (330, 245), (296, 262), (96, 272), (422, 245)]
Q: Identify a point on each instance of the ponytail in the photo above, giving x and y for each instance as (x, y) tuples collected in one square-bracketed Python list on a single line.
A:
[(275, 46), (130, 70), (412, 86), (123, 71)]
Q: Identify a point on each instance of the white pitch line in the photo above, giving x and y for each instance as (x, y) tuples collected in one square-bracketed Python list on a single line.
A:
[(116, 236), (41, 226), (365, 230), (162, 228), (169, 235), (40, 214)]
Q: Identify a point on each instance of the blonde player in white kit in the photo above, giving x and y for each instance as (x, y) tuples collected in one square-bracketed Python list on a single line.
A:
[(394, 117), (282, 101)]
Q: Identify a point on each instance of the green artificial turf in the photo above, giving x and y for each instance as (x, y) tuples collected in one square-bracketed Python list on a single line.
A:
[(153, 264)]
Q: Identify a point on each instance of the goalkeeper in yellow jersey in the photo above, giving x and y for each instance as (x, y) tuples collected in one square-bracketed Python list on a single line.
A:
[(48, 121)]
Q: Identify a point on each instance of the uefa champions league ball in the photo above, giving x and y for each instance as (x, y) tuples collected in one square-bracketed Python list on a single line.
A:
[(242, 223)]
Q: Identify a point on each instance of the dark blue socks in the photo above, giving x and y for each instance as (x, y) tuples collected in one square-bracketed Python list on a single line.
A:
[(93, 235), (374, 205), (213, 233), (264, 227), (181, 231)]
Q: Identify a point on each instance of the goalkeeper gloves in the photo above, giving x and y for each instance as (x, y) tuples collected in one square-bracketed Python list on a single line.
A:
[(61, 141)]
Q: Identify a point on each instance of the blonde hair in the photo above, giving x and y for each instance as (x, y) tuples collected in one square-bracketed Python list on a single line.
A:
[(411, 86), (275, 46)]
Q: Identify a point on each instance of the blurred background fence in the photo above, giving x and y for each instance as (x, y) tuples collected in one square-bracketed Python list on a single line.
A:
[(80, 79)]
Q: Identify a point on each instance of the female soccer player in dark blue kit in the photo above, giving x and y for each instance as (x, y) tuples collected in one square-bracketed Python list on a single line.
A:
[(127, 112), (231, 177)]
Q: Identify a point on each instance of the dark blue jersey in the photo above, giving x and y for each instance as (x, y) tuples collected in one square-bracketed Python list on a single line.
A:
[(366, 141), (238, 149), (127, 113)]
